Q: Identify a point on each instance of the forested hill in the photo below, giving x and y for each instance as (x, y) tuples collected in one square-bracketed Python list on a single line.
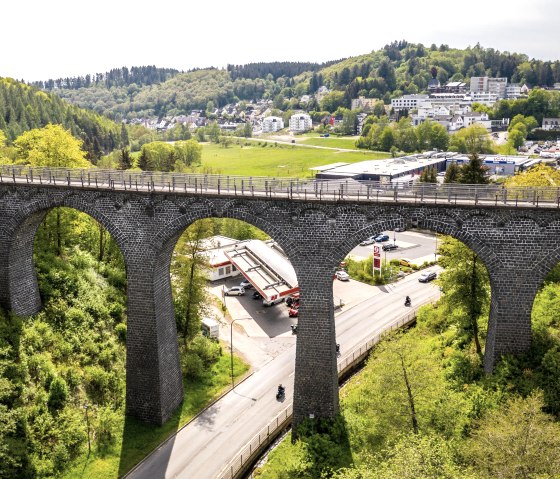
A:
[(24, 108), (396, 69), (275, 69), (145, 75)]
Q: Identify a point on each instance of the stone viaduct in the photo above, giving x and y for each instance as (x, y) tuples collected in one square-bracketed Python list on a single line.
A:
[(518, 244)]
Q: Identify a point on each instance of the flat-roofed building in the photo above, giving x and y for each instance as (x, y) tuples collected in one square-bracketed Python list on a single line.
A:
[(272, 124), (300, 122)]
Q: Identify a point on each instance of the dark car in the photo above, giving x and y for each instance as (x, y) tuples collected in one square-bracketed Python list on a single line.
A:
[(389, 246), (256, 295), (427, 276), (381, 238)]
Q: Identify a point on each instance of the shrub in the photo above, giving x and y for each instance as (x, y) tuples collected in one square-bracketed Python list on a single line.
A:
[(106, 429), (120, 330), (58, 392)]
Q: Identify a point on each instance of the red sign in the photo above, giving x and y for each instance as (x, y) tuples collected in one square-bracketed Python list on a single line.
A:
[(376, 259)]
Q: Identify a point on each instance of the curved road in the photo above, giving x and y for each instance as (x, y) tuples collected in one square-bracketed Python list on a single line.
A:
[(202, 448)]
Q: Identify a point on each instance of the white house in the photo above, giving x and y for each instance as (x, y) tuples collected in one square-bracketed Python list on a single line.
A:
[(551, 124), (272, 124), (363, 103), (476, 117), (300, 122)]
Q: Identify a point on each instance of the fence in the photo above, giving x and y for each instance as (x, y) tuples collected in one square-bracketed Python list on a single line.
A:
[(242, 462), (291, 188)]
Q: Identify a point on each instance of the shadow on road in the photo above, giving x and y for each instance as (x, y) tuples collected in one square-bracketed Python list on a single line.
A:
[(140, 438)]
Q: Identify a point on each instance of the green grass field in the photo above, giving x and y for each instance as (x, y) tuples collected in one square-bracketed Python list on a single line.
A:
[(332, 142), (271, 160)]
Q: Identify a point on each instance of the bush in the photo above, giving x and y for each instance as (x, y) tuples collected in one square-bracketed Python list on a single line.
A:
[(106, 429), (120, 330), (58, 392)]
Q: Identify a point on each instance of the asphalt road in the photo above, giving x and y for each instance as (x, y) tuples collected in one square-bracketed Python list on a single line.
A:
[(203, 447)]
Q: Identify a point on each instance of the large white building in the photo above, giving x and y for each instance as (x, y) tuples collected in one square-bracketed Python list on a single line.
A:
[(496, 86), (300, 122), (272, 123), (407, 102)]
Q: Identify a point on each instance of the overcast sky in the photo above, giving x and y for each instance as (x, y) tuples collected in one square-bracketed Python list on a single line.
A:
[(59, 38)]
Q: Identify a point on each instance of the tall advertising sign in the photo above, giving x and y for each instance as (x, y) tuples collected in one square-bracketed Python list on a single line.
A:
[(376, 259)]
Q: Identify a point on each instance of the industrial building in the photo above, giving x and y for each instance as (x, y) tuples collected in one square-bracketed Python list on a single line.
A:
[(408, 168)]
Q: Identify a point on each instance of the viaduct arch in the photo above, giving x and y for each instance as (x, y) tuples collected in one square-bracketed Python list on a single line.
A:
[(518, 245)]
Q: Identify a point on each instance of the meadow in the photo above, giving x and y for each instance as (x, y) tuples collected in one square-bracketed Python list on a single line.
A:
[(270, 159)]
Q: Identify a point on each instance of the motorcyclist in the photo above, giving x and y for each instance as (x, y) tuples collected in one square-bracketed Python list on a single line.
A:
[(407, 300), (281, 390)]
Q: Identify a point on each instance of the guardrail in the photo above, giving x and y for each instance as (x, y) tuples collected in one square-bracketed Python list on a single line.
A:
[(245, 458), (283, 187)]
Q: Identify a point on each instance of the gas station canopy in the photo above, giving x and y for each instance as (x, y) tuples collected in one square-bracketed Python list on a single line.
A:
[(266, 267)]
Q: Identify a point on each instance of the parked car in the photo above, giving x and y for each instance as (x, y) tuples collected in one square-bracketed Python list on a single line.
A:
[(257, 295), (235, 291), (381, 238), (399, 229), (293, 312), (342, 276), (369, 240), (246, 284), (427, 276), (406, 262), (273, 301), (389, 246)]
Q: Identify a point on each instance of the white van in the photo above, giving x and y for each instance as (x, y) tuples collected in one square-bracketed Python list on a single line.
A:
[(210, 327), (272, 300)]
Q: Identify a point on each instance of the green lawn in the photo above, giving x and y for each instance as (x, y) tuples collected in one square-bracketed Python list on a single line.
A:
[(270, 160), (136, 440), (346, 142)]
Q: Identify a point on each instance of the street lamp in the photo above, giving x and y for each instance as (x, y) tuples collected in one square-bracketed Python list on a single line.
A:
[(86, 407), (231, 346)]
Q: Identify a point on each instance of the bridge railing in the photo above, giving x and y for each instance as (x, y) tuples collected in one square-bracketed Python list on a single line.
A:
[(246, 457), (283, 187)]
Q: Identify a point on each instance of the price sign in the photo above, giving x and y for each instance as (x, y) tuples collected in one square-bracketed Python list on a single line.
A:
[(376, 259)]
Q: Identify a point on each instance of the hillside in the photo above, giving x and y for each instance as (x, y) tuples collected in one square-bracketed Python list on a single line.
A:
[(398, 68), (24, 108)]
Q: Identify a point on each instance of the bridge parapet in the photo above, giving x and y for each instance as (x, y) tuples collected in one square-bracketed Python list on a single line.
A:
[(348, 190)]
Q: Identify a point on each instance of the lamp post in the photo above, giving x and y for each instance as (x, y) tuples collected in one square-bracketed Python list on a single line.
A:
[(435, 252), (86, 407), (231, 346)]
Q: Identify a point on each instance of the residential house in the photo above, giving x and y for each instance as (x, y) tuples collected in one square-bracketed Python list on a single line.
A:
[(551, 124), (362, 103)]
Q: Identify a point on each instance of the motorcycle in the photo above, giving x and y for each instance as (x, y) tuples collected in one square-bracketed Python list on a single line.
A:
[(294, 328), (407, 301), (281, 393)]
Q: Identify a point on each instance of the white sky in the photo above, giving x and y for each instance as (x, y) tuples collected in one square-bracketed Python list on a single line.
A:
[(59, 38)]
